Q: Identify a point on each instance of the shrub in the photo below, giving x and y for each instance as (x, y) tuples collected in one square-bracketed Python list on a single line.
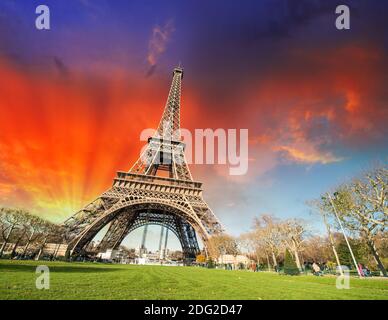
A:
[(331, 265), (210, 263), (290, 267), (200, 258)]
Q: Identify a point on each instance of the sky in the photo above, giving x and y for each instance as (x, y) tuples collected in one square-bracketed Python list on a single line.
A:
[(74, 99)]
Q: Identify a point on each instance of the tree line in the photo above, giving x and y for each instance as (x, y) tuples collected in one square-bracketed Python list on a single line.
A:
[(20, 228), (357, 208)]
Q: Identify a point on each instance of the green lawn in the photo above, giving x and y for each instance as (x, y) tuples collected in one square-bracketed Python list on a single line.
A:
[(105, 281)]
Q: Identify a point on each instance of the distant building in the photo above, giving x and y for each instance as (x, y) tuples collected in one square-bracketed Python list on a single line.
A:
[(55, 249), (120, 255), (234, 260), (139, 256), (109, 255), (140, 251)]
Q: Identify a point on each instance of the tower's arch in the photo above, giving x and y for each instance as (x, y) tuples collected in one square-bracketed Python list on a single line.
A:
[(130, 215)]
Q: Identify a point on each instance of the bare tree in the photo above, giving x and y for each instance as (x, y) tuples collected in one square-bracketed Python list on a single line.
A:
[(319, 206), (254, 243), (317, 249), (49, 231), (222, 244), (370, 197), (21, 233), (293, 232), (35, 228), (362, 208), (23, 227), (11, 221), (267, 228)]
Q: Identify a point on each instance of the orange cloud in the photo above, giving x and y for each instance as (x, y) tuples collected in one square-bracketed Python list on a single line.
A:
[(62, 139), (308, 155)]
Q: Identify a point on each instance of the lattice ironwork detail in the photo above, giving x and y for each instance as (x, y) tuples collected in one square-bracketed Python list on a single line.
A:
[(144, 196)]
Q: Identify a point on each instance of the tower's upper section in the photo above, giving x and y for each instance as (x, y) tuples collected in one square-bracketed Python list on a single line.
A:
[(170, 123), (178, 70), (165, 153)]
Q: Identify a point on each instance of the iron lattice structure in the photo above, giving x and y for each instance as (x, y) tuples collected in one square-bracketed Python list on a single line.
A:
[(142, 196)]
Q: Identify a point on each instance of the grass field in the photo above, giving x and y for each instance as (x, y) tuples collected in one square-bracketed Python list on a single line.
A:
[(104, 281)]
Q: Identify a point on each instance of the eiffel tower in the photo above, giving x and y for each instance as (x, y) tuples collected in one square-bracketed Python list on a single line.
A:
[(158, 189)]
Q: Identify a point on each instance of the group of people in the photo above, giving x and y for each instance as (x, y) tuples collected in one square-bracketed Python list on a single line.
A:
[(317, 270), (363, 270)]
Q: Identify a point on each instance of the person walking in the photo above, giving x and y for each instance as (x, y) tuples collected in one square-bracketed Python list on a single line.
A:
[(316, 270)]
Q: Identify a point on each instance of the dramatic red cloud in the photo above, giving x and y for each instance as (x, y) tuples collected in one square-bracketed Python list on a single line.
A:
[(337, 99), (63, 136)]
